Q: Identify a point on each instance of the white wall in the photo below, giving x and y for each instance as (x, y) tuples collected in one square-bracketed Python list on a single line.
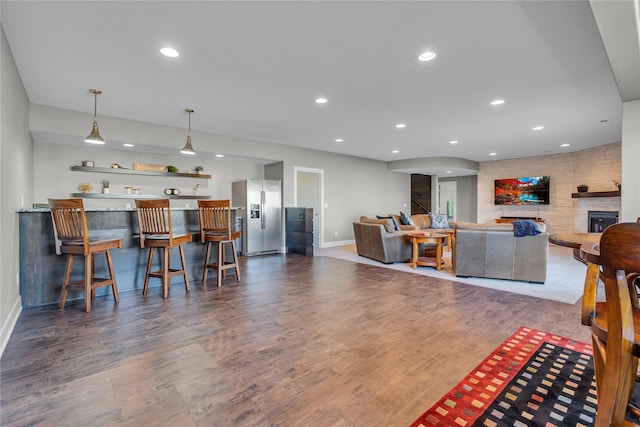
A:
[(16, 184), (595, 167), (630, 161)]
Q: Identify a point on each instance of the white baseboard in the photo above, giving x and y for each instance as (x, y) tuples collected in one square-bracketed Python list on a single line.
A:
[(7, 328), (338, 243)]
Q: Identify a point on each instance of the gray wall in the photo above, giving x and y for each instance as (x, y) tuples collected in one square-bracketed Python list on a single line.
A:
[(467, 189), (16, 183), (353, 186)]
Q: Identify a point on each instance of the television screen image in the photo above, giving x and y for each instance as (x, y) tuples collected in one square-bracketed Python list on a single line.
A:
[(533, 190)]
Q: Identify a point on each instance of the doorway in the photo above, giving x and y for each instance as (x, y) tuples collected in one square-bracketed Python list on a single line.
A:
[(309, 193), (447, 198)]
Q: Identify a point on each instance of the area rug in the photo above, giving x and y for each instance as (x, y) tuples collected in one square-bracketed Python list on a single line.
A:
[(533, 379), (565, 275)]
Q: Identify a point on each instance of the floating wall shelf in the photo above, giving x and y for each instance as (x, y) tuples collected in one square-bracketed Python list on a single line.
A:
[(135, 196), (139, 172), (595, 194)]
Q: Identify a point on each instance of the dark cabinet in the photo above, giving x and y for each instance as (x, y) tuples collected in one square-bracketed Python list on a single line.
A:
[(299, 230)]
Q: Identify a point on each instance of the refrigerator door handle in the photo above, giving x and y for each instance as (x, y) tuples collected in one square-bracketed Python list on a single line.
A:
[(263, 220)]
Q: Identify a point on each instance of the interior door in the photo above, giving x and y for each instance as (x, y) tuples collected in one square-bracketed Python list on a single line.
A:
[(447, 196)]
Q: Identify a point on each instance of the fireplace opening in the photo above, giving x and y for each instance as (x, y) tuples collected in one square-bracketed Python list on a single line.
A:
[(599, 220)]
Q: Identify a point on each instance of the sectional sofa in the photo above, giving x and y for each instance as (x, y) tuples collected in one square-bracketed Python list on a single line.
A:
[(492, 250)]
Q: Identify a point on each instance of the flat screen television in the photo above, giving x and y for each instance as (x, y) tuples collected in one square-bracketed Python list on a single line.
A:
[(532, 190)]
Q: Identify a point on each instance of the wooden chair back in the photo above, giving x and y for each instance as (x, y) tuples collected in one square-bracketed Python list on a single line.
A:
[(69, 223), (616, 328), (215, 218), (154, 220)]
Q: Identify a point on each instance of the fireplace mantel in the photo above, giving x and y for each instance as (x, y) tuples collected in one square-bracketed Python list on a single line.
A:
[(595, 194)]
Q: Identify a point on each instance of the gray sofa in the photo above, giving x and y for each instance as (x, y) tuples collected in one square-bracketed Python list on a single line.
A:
[(491, 250)]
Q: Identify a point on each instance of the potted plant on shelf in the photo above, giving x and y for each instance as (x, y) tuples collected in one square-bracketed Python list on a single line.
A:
[(199, 169), (105, 187), (617, 184)]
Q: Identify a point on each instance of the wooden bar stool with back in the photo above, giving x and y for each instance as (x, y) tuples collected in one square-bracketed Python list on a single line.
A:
[(72, 238), (154, 222), (215, 226), (614, 322)]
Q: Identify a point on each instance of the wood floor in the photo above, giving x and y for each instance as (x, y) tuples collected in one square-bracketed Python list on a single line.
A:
[(300, 342)]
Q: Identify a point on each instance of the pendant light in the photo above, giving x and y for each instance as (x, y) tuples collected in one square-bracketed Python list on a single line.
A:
[(188, 149), (94, 137)]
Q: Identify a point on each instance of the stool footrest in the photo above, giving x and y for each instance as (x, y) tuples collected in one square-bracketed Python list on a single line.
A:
[(172, 273)]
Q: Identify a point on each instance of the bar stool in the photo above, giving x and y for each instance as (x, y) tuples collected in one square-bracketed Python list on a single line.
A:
[(72, 238), (215, 226), (154, 222)]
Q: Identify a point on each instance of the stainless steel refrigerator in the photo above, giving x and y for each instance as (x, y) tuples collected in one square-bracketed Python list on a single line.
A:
[(260, 201)]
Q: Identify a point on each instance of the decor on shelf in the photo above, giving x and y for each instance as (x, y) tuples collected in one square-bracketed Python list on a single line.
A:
[(88, 163), (617, 184), (105, 186), (198, 169), (196, 189), (149, 167), (94, 137), (188, 149), (583, 188), (85, 187), (172, 169)]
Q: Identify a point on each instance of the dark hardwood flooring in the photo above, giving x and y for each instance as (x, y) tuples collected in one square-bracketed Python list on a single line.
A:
[(299, 342)]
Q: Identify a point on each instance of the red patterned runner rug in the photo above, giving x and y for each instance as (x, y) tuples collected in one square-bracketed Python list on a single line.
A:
[(533, 379)]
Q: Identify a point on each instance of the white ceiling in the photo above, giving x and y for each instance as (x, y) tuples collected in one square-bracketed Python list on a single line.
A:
[(253, 69)]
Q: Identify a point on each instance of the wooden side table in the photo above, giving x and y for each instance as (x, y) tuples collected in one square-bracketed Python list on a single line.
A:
[(427, 237)]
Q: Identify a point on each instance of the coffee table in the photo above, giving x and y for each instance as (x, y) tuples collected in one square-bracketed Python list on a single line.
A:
[(427, 237)]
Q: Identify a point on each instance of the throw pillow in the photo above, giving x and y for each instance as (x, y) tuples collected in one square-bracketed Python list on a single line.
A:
[(386, 223), (405, 220), (439, 220), (395, 224), (421, 220)]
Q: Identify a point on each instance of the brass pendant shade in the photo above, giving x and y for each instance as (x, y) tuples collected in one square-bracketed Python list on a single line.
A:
[(94, 137), (188, 149)]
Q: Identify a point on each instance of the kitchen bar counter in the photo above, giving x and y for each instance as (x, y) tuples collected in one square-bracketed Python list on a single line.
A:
[(42, 271)]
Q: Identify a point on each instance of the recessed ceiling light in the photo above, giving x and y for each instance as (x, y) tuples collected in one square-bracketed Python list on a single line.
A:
[(128, 145), (453, 142), (497, 102), (401, 125), (339, 140), (538, 128), (564, 145), (448, 171), (219, 155), (492, 154), (321, 100), (395, 151), (426, 56), (170, 52)]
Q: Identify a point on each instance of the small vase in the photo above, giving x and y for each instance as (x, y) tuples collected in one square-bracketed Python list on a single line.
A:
[(583, 188)]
